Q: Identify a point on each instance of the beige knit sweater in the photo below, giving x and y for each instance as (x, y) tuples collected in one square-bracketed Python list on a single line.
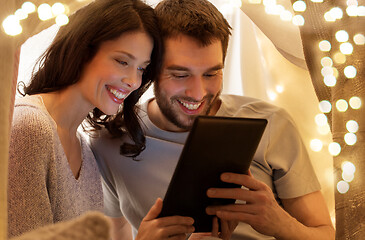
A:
[(42, 189)]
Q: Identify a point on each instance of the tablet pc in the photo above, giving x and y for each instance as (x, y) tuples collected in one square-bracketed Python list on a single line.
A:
[(214, 145)]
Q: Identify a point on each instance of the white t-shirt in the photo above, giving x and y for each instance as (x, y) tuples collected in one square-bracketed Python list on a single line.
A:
[(131, 187)]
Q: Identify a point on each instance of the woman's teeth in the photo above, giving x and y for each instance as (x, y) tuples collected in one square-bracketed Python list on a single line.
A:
[(117, 94), (191, 106)]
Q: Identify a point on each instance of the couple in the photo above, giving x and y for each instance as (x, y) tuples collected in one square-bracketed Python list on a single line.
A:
[(106, 58)]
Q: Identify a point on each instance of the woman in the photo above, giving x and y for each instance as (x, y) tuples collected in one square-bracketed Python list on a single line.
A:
[(103, 59)]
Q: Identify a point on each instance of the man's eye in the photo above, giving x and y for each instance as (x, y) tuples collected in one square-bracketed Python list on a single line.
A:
[(212, 74), (179, 75)]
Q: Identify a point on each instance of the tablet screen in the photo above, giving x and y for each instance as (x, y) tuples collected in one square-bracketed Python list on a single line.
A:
[(214, 145)]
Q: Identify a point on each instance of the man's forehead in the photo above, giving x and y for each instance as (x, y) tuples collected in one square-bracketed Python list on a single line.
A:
[(184, 53)]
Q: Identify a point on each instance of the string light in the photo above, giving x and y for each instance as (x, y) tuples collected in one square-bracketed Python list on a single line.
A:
[(316, 145), (29, 7), (355, 102), (325, 106), (299, 6), (334, 148), (11, 24), (342, 187), (350, 138), (324, 46), (339, 58), (342, 36), (350, 71), (346, 48), (326, 62), (359, 39), (320, 119), (342, 105), (352, 126)]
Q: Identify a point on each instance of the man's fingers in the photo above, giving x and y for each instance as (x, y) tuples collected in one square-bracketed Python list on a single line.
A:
[(251, 209), (247, 181), (154, 211)]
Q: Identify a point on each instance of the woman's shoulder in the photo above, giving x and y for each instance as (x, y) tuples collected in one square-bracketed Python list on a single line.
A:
[(31, 118)]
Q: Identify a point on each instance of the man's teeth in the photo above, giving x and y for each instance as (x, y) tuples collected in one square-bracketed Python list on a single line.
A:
[(117, 94), (191, 106)]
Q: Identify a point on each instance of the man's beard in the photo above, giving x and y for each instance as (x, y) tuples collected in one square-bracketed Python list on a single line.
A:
[(169, 108)]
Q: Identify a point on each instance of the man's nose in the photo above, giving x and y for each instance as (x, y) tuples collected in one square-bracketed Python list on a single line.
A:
[(196, 88)]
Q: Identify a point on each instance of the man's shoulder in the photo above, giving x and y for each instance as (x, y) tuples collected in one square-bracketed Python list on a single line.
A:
[(242, 106)]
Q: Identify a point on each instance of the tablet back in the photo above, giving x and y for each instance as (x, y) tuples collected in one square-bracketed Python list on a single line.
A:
[(214, 145)]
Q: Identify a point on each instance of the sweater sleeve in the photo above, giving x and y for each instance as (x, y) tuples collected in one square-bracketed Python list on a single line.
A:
[(30, 153)]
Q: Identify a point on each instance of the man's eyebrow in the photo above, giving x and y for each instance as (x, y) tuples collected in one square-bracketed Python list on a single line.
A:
[(177, 68), (181, 68)]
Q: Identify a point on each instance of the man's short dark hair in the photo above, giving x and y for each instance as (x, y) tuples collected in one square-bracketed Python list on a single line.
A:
[(199, 19)]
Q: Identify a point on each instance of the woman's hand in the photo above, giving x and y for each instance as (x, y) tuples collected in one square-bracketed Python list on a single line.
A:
[(172, 228)]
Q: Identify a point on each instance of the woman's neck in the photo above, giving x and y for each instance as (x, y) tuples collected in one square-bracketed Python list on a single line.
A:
[(67, 108)]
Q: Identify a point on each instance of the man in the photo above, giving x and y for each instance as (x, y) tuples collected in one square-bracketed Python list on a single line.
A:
[(282, 195)]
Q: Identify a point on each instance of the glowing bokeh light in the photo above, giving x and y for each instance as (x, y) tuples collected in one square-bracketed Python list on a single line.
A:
[(254, 1), (352, 126), (361, 11), (330, 80), (298, 20), (350, 138), (346, 48), (343, 187), (12, 26), (326, 62), (45, 12), (29, 7), (328, 17), (321, 119), (336, 13), (62, 19), (359, 39), (342, 105), (269, 2), (324, 130), (352, 3), (351, 11), (347, 177), (58, 8), (21, 14), (348, 167), (342, 36), (350, 71), (299, 6), (325, 106), (334, 148), (286, 16), (324, 46), (272, 95), (279, 88), (339, 58), (316, 145), (355, 102), (327, 71)]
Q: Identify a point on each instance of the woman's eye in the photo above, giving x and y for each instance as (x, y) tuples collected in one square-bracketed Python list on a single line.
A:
[(141, 69), (121, 62)]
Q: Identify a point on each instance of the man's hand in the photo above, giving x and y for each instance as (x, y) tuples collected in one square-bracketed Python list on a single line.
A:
[(172, 228), (260, 209)]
